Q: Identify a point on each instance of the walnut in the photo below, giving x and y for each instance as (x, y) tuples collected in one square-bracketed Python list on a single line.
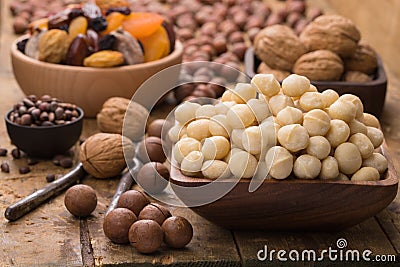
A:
[(53, 46), (331, 32), (320, 65), (102, 154), (111, 118), (279, 47), (356, 76), (280, 75), (364, 59)]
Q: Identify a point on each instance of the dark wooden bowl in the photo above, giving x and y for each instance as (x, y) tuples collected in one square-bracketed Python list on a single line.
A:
[(371, 93), (293, 204)]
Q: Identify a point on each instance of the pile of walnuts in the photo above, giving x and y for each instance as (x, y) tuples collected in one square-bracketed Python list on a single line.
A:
[(329, 49)]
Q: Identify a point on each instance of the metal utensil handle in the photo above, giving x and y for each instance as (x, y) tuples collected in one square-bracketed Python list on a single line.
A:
[(29, 203), (124, 184)]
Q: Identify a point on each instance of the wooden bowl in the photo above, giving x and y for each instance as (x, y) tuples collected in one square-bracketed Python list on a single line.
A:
[(372, 93), (293, 204), (87, 87)]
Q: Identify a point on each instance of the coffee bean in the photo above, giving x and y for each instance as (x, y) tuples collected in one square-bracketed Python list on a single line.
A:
[(3, 152), (28, 103), (22, 110), (53, 106), (5, 167), (59, 112), (44, 106), (50, 177), (24, 170), (32, 161), (26, 119), (66, 162), (35, 114), (16, 153), (44, 116)]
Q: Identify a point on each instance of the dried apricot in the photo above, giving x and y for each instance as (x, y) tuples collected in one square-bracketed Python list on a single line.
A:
[(114, 21), (156, 46), (142, 24)]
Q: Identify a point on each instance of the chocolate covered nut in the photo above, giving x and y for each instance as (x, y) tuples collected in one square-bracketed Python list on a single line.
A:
[(153, 177), (117, 223), (133, 200), (146, 236), (150, 149), (178, 232), (155, 128), (80, 200)]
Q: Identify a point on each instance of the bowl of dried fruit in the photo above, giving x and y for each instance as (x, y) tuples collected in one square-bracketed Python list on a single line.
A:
[(338, 60), (44, 127), (281, 157), (86, 55)]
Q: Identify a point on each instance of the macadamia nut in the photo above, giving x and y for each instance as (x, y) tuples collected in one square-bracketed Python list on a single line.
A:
[(319, 147), (243, 92), (184, 146), (199, 129), (279, 162), (357, 127), (214, 169), (293, 137), (356, 102), (289, 115), (343, 110), (307, 167), (338, 132), (215, 147), (329, 96), (260, 109), (316, 122), (206, 111), (266, 84), (176, 132), (192, 163), (279, 102), (219, 126), (329, 169), (311, 100), (242, 165), (371, 120), (186, 112), (366, 174), (252, 140), (240, 116), (363, 143), (375, 135), (377, 161), (348, 157), (295, 85), (223, 107)]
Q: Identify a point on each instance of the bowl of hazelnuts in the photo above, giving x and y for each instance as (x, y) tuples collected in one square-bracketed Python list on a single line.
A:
[(281, 157), (86, 55), (329, 51)]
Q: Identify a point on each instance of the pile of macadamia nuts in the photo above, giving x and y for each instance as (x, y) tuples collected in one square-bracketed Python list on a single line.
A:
[(267, 129), (145, 225)]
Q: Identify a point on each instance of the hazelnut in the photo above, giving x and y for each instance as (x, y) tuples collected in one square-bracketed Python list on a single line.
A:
[(150, 149), (80, 200), (273, 19), (178, 232), (184, 34), (146, 236), (117, 223), (209, 28), (295, 7), (219, 44), (133, 200), (153, 177), (236, 37), (155, 212), (20, 25), (239, 49), (254, 22)]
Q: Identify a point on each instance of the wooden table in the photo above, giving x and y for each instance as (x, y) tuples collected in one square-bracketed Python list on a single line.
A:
[(50, 236)]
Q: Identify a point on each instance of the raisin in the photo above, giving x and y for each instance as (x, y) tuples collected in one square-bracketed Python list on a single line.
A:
[(107, 42), (98, 24), (21, 45), (75, 12), (123, 10)]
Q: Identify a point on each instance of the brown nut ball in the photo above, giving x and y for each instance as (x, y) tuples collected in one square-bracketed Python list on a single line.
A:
[(133, 200), (363, 60), (331, 32), (117, 223), (80, 200), (155, 128), (155, 212), (177, 232), (356, 76), (153, 177), (320, 65), (146, 236), (102, 154), (279, 47), (150, 149)]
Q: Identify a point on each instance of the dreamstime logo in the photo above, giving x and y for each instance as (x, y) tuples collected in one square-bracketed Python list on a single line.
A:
[(156, 88), (340, 253)]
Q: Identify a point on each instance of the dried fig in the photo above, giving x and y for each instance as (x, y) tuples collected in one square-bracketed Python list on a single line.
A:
[(53, 46), (129, 47)]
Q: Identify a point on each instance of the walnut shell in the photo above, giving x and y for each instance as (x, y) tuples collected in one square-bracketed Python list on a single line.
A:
[(280, 75), (320, 65), (111, 118), (279, 47), (356, 76), (363, 60), (331, 32), (102, 154)]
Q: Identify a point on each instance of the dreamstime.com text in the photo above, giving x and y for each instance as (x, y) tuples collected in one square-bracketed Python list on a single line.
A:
[(339, 253)]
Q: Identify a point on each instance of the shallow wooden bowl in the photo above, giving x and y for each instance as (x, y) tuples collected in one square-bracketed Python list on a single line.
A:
[(372, 93), (292, 204), (86, 87)]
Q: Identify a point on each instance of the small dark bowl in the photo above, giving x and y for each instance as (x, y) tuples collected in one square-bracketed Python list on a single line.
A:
[(46, 141), (372, 93)]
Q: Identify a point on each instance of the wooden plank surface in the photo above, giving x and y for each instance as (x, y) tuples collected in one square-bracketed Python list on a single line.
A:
[(50, 236)]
